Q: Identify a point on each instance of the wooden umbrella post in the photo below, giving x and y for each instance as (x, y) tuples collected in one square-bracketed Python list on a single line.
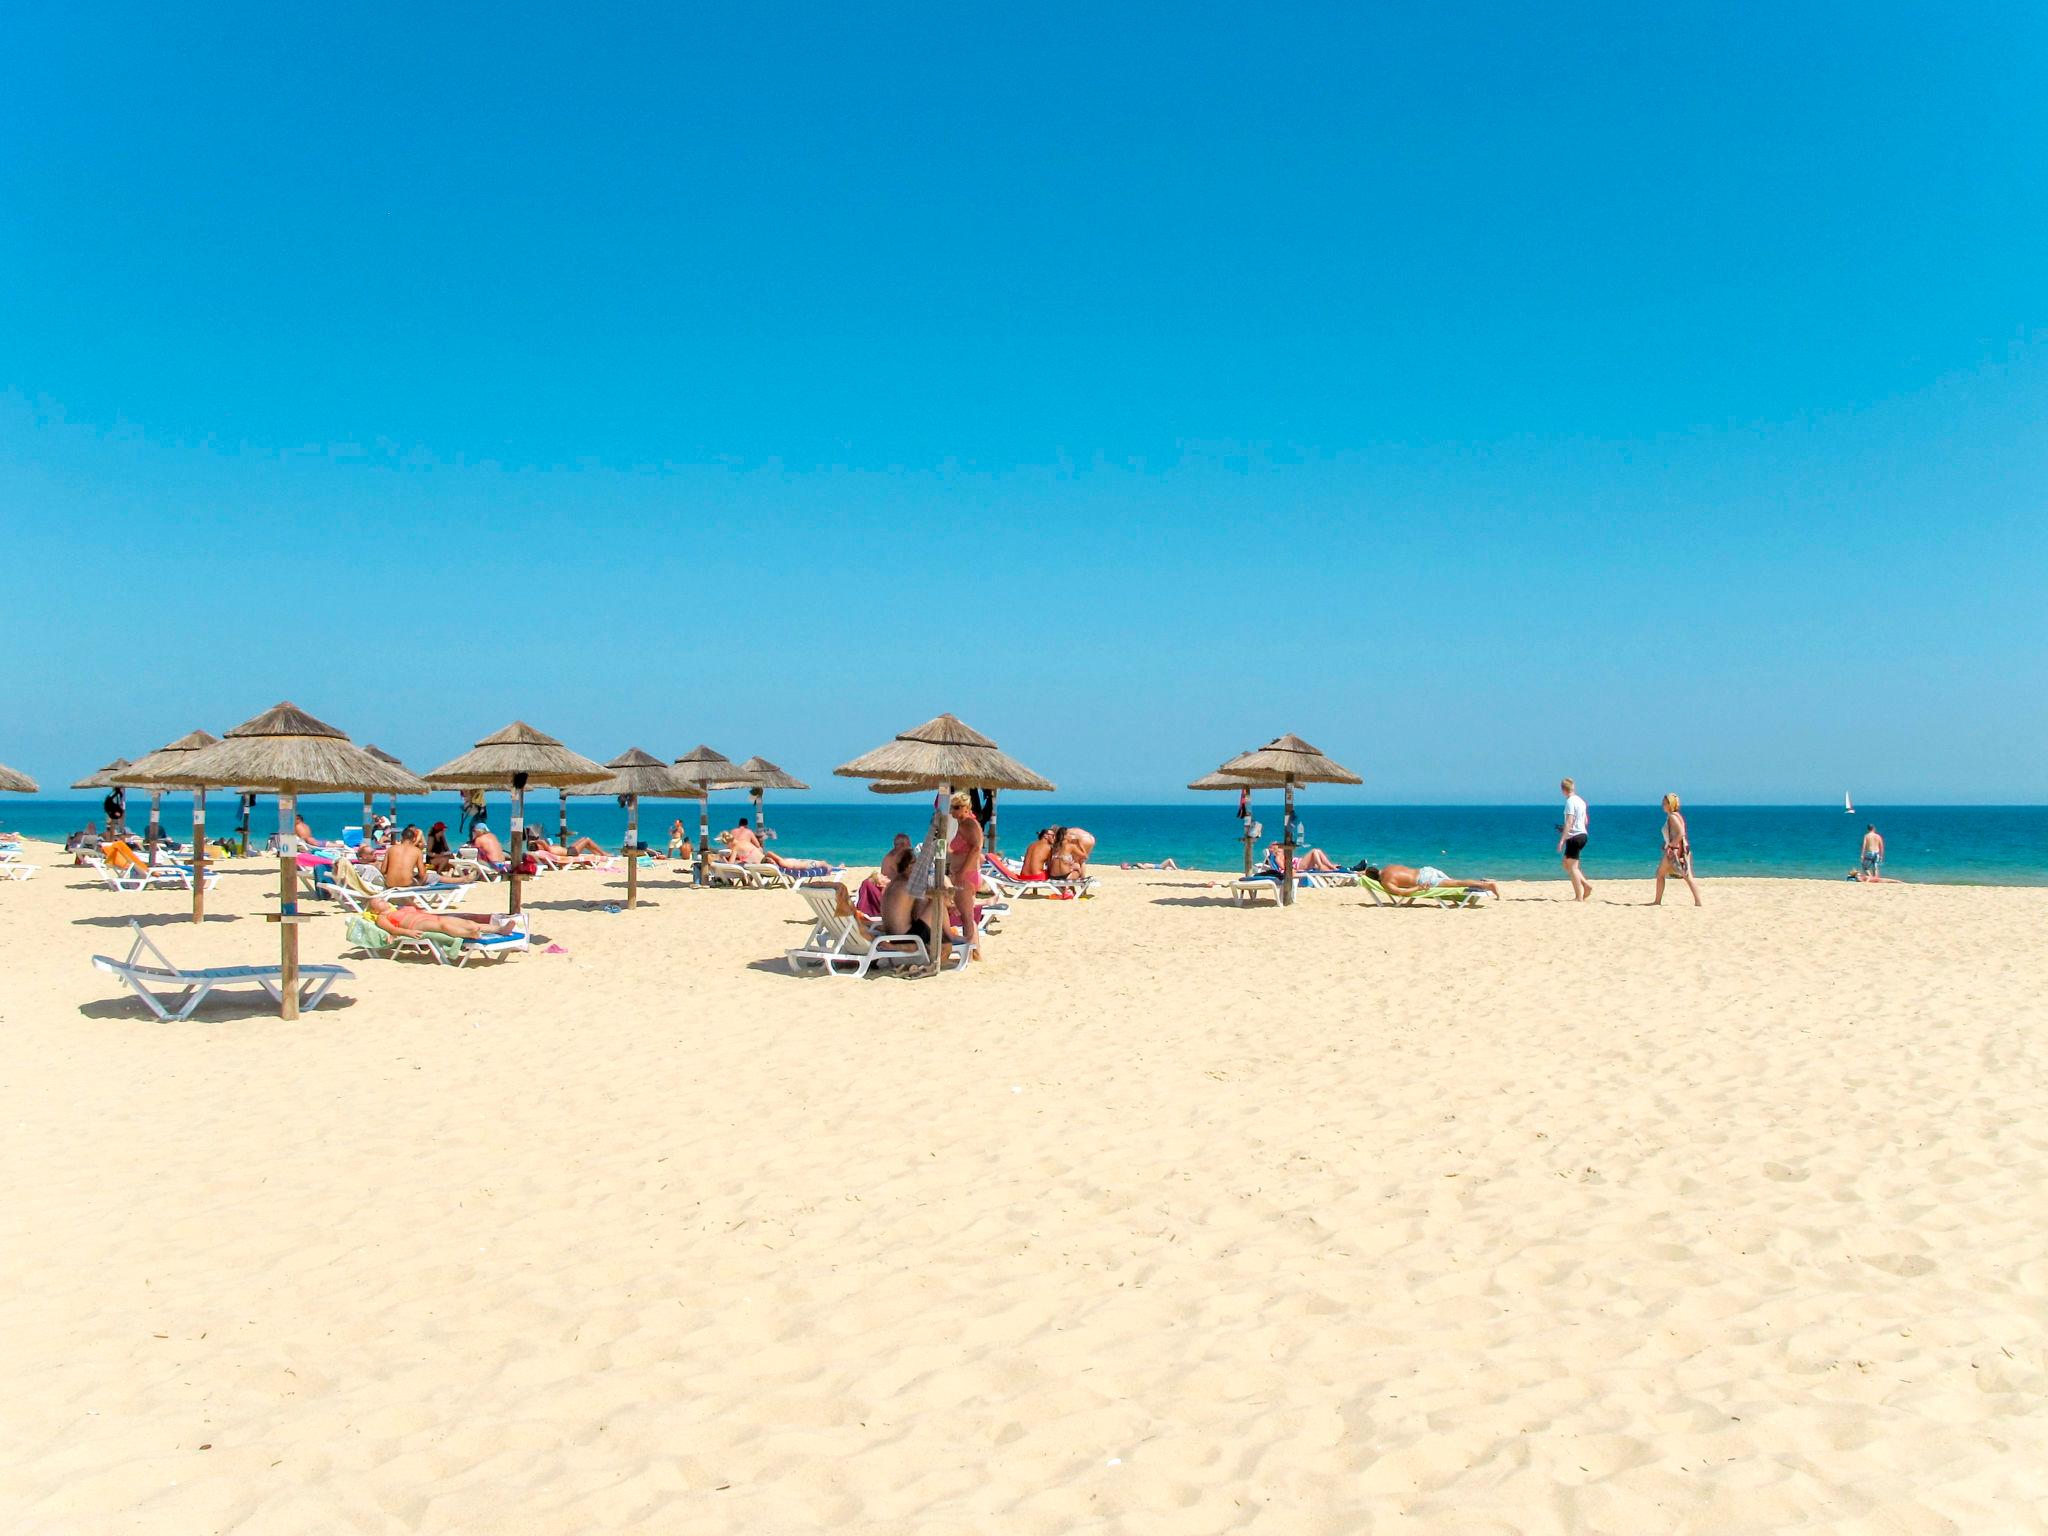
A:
[(518, 848), (760, 816), (562, 816), (632, 850), (702, 869), (156, 831), (1250, 837), (288, 903), (199, 854), (369, 810), (1287, 852)]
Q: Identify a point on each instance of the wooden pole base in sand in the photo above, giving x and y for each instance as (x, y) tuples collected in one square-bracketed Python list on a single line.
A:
[(199, 855), (288, 904)]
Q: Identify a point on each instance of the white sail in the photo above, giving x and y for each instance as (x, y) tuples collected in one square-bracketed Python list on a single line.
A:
[(1848, 805)]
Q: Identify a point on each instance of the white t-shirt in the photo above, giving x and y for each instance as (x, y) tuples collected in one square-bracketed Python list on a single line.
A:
[(1575, 819)]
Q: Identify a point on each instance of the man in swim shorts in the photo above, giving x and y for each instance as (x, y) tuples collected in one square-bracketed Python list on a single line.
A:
[(1401, 880)]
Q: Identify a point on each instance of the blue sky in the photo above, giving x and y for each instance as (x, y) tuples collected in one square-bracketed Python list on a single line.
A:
[(1650, 394)]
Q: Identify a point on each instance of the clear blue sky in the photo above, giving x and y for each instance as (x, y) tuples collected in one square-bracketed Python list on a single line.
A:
[(1655, 394)]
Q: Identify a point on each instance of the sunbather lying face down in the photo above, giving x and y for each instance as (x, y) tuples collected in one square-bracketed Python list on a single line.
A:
[(454, 924), (1311, 860), (1402, 880)]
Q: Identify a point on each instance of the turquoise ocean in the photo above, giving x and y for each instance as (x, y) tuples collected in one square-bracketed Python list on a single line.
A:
[(1990, 845)]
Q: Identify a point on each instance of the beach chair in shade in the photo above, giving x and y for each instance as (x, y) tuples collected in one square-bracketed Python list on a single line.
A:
[(840, 945), (365, 933), (1434, 896), (188, 989)]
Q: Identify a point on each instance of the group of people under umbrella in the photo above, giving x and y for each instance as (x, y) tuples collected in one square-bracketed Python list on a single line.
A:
[(288, 753)]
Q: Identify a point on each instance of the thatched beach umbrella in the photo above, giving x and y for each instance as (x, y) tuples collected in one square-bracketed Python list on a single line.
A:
[(636, 773), (16, 783), (1244, 808), (368, 800), (756, 776), (703, 770), (116, 804), (147, 772), (517, 759), (1287, 761), (942, 754), (288, 753)]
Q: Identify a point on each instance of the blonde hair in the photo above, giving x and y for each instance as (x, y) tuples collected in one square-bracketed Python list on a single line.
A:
[(961, 801), (1671, 802), (1568, 785)]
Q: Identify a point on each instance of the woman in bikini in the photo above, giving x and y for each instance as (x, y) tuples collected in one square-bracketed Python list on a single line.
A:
[(963, 870), (1677, 858)]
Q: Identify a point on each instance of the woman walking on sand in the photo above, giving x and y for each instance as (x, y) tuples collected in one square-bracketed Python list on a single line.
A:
[(1677, 858)]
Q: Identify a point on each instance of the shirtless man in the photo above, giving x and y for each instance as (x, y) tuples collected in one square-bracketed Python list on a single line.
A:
[(456, 925), (744, 845), (488, 848), (582, 852), (405, 861), (901, 912), (1402, 880), (1036, 855)]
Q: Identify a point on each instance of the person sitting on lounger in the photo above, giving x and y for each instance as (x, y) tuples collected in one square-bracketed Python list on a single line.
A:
[(1035, 856), (869, 899), (405, 861), (1307, 861), (456, 925), (901, 912), (1068, 857), (440, 857), (488, 848), (743, 845), (1400, 880), (304, 833)]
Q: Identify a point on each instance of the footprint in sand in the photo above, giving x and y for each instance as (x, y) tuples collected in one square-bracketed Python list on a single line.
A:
[(1783, 1174)]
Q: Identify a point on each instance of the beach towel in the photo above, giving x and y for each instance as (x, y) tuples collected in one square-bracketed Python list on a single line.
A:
[(365, 934)]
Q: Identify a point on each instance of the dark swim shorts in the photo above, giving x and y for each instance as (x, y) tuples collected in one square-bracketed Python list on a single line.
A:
[(1574, 846)]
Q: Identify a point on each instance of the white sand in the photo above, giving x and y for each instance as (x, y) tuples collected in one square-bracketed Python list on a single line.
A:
[(1170, 1218)]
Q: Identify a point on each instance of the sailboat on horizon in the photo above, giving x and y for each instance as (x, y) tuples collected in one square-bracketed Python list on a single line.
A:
[(1848, 806)]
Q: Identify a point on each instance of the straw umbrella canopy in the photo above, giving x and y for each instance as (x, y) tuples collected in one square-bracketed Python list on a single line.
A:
[(944, 754), (368, 807), (289, 753), (946, 751), (702, 770), (148, 772), (104, 779), (517, 759), (1243, 787), (636, 773), (16, 783), (756, 776), (1287, 762)]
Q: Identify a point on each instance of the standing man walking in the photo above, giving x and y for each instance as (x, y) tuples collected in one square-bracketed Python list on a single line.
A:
[(1872, 862), (1571, 839)]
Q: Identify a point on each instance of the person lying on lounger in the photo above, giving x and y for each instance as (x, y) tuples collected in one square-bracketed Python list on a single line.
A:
[(1307, 861), (1400, 880), (581, 851), (743, 845), (457, 925)]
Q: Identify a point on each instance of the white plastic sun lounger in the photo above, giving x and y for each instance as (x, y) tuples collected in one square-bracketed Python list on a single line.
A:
[(193, 987), (14, 869), (839, 946), (140, 877)]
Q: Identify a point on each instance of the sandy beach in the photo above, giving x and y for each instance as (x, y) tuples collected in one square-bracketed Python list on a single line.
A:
[(1169, 1218)]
